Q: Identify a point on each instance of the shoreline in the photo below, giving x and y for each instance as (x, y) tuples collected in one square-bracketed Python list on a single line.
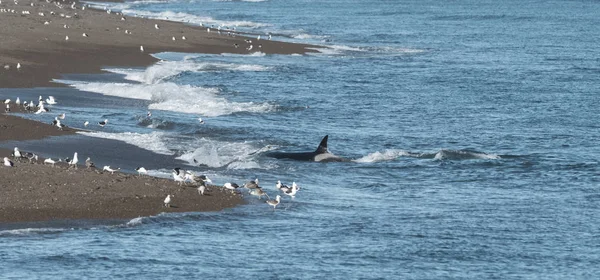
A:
[(35, 50)]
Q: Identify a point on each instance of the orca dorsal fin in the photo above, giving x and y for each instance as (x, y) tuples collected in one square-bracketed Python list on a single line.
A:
[(322, 146)]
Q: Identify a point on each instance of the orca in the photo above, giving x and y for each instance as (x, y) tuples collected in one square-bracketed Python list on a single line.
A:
[(321, 154)]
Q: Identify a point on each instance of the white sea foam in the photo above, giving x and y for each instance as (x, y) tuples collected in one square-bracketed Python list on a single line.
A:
[(28, 231), (386, 155), (193, 19), (166, 69), (385, 50), (215, 154), (135, 222), (177, 98), (154, 141), (305, 36), (458, 155)]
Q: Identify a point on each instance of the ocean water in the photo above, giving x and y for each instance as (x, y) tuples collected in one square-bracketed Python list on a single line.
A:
[(472, 127)]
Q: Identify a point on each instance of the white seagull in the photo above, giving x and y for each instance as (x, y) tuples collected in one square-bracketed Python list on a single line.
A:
[(103, 123), (156, 26), (74, 161), (8, 162), (201, 189), (18, 101), (178, 176), (50, 161), (231, 186), (50, 100), (62, 116), (201, 120), (142, 48), (141, 171), (17, 153), (86, 123), (168, 201), (107, 168)]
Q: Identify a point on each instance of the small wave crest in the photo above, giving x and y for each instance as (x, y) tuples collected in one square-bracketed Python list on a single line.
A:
[(385, 50), (163, 70), (462, 155), (386, 155), (193, 19), (31, 231), (153, 141), (177, 98), (217, 154)]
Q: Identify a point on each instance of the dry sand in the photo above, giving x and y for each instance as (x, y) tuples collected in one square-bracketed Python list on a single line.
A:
[(37, 192)]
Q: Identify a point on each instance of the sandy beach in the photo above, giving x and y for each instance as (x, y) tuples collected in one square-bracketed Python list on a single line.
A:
[(42, 40), (37, 40)]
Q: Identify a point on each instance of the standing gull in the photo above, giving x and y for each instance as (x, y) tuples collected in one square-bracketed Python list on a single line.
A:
[(167, 201), (74, 161), (89, 163), (201, 189), (274, 202)]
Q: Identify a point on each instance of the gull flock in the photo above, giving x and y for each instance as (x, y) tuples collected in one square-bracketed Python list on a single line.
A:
[(66, 13), (180, 176)]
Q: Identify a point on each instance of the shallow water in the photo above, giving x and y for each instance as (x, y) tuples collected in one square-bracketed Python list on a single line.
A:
[(472, 127)]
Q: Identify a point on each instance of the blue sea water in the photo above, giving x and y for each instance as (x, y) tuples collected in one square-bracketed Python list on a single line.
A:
[(472, 127)]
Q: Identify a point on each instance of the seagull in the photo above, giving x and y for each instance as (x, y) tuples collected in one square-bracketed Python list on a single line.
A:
[(178, 176), (103, 123), (17, 154), (274, 202), (85, 35), (7, 108), (62, 116), (258, 192), (142, 48), (141, 171), (50, 100), (293, 191), (173, 38), (201, 120), (183, 38), (74, 161), (282, 187), (156, 26), (8, 162), (201, 189), (89, 164), (252, 185), (86, 123), (66, 37), (168, 201), (18, 101), (18, 66), (107, 168), (231, 186), (149, 114), (50, 161), (6, 101)]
